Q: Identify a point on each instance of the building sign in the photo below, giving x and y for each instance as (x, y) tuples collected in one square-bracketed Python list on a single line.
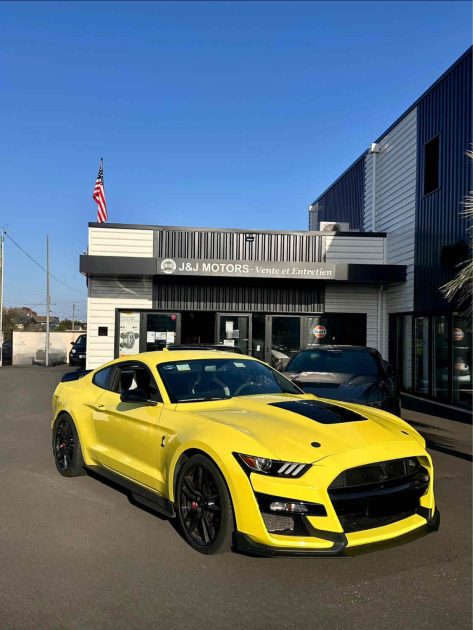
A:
[(245, 269), (319, 331), (458, 334)]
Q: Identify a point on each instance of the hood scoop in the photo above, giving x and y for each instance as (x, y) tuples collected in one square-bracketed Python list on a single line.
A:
[(322, 412)]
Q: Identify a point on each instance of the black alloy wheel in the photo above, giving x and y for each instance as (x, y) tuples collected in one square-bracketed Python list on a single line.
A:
[(66, 448), (204, 507)]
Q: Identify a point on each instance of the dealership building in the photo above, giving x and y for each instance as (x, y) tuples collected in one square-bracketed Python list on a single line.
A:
[(381, 241)]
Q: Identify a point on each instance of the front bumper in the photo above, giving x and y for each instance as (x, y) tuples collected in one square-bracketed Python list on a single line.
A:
[(325, 534), (244, 544)]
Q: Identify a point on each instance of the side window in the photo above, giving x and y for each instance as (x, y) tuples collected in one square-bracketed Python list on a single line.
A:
[(136, 376), (431, 165), (103, 378)]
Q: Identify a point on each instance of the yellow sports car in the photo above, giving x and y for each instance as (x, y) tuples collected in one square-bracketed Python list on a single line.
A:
[(240, 456)]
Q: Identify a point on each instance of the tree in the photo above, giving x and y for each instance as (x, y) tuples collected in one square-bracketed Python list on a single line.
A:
[(65, 324), (460, 288)]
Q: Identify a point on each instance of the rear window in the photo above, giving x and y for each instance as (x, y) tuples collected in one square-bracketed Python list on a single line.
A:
[(103, 378), (355, 362)]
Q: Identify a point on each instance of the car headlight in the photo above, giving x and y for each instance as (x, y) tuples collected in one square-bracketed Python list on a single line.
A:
[(271, 467), (73, 351)]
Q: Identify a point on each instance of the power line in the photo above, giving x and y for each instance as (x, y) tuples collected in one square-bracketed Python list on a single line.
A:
[(39, 264)]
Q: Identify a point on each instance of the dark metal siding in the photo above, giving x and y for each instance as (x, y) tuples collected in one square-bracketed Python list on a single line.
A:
[(445, 110), (236, 296), (230, 245), (344, 200)]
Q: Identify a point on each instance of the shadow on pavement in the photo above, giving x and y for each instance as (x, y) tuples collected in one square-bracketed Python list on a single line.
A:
[(437, 439)]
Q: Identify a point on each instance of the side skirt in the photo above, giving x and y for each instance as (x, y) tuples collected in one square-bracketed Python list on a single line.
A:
[(140, 494)]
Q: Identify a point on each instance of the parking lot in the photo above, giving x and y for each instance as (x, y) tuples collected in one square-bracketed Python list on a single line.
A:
[(75, 553)]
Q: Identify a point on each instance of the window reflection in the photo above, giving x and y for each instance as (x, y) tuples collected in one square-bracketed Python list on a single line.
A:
[(422, 354), (461, 361), (440, 352)]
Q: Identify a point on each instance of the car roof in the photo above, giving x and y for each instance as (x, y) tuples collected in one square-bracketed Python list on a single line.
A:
[(164, 356), (326, 346)]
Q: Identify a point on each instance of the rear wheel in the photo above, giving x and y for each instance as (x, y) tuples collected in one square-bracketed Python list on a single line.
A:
[(66, 447), (204, 508)]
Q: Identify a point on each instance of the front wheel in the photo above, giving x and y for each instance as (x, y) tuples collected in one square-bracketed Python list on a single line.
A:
[(204, 508), (66, 447)]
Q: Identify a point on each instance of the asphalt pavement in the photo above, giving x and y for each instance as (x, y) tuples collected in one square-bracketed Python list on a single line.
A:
[(75, 553)]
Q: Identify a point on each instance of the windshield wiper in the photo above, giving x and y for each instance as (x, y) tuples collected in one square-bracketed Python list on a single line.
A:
[(204, 399)]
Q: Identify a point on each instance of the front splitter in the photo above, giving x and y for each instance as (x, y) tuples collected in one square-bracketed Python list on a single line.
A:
[(244, 544)]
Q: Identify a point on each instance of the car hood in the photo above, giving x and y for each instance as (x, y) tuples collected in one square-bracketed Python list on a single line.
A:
[(285, 426), (345, 387)]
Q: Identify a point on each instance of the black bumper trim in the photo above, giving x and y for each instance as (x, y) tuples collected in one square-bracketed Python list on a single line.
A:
[(244, 544)]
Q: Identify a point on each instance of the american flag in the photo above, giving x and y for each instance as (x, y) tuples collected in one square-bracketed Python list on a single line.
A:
[(99, 196)]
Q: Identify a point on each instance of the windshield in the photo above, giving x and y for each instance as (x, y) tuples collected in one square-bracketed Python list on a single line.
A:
[(354, 362), (216, 379)]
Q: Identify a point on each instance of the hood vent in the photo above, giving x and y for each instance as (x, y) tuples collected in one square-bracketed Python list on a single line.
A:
[(325, 413)]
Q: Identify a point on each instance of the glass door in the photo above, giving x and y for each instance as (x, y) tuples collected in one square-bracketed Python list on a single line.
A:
[(234, 331), (284, 337), (160, 330)]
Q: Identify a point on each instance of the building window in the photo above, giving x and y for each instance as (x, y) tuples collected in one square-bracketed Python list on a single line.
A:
[(440, 357), (422, 355), (406, 352), (431, 165), (461, 359), (400, 348)]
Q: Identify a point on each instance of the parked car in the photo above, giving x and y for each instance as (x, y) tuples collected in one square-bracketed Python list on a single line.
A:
[(349, 373), (239, 455), (77, 354), (6, 352), (56, 356)]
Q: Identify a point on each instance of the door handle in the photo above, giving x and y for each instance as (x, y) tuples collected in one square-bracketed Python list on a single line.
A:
[(99, 407)]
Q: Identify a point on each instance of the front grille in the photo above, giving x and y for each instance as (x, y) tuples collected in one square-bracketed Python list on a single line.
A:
[(285, 525), (378, 494)]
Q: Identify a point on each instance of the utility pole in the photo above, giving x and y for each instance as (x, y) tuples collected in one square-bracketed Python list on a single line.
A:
[(2, 244), (73, 315), (48, 303)]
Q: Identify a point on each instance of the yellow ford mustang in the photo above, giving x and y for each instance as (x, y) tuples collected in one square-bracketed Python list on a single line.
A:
[(241, 456)]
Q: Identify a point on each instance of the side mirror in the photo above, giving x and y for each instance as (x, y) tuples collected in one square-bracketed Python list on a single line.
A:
[(137, 396)]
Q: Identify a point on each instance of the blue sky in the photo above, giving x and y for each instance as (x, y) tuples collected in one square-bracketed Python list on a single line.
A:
[(224, 114)]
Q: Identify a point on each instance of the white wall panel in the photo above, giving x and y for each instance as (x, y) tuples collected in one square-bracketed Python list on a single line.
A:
[(120, 242), (355, 299), (356, 249), (395, 189), (106, 295)]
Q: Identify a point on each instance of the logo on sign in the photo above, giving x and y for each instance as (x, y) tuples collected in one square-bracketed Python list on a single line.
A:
[(320, 331), (458, 334), (168, 265)]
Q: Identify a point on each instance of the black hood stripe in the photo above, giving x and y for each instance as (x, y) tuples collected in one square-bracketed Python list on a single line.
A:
[(322, 412)]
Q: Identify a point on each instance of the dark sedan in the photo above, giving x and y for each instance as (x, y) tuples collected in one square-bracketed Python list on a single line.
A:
[(78, 351), (348, 373)]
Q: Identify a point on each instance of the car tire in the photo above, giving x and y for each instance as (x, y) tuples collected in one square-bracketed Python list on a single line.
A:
[(66, 447), (204, 508)]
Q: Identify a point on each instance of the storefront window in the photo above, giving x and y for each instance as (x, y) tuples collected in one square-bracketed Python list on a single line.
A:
[(335, 328), (258, 341), (285, 340), (440, 357), (422, 354), (461, 361), (406, 352), (160, 330)]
